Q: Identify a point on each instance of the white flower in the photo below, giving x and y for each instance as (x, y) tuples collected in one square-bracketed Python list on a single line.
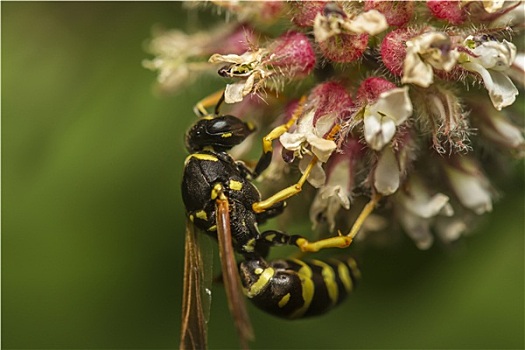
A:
[(248, 65), (392, 108), (371, 22), (173, 50), (496, 127), (424, 53), (416, 207), (334, 195), (470, 185), (307, 140), (490, 6), (492, 61), (387, 175)]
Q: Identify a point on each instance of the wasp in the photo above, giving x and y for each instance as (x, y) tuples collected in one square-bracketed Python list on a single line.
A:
[(222, 201)]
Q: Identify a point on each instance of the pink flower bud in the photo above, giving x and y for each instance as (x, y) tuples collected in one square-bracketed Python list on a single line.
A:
[(331, 98), (304, 12), (393, 50), (397, 13), (292, 53), (371, 88), (451, 11), (344, 48)]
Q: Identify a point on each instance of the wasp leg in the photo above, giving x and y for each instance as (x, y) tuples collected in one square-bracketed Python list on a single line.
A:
[(273, 238), (341, 241), (214, 99), (294, 189), (266, 158)]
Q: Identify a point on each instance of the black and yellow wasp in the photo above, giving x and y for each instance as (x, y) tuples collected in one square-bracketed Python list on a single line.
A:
[(222, 201)]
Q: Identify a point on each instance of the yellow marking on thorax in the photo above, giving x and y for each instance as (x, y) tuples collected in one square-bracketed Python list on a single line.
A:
[(261, 283), (212, 228), (216, 191), (308, 288), (201, 156), (201, 214), (235, 185), (329, 280), (226, 135)]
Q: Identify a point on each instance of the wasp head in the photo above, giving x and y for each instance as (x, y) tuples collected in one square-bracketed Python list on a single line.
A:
[(220, 133)]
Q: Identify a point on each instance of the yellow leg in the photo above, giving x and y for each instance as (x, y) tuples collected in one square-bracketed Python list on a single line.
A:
[(266, 158), (341, 241), (292, 190), (286, 193), (208, 101), (281, 129)]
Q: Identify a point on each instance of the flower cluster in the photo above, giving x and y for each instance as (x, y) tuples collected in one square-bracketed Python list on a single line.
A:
[(418, 91)]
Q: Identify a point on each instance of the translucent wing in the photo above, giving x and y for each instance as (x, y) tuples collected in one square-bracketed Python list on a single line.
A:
[(230, 275), (196, 296)]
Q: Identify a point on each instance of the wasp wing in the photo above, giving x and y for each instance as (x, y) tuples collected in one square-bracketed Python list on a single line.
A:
[(230, 274), (196, 294)]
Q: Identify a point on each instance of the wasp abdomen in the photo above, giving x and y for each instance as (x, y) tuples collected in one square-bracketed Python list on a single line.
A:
[(294, 288)]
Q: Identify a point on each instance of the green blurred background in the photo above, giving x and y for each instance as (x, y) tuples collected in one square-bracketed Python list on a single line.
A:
[(93, 226)]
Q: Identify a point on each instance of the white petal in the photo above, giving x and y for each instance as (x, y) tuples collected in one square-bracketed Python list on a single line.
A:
[(470, 191), (431, 207), (292, 141), (317, 176), (386, 173), (372, 22), (417, 229), (415, 71), (501, 90), (450, 229), (378, 131), (501, 130), (322, 148), (234, 92), (395, 104)]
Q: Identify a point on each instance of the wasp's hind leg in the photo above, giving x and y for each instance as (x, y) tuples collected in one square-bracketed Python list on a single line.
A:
[(214, 99), (275, 238), (340, 241)]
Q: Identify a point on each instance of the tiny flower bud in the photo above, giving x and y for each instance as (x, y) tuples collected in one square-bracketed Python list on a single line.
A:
[(393, 50), (304, 12), (292, 54), (441, 114), (397, 13), (452, 11)]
